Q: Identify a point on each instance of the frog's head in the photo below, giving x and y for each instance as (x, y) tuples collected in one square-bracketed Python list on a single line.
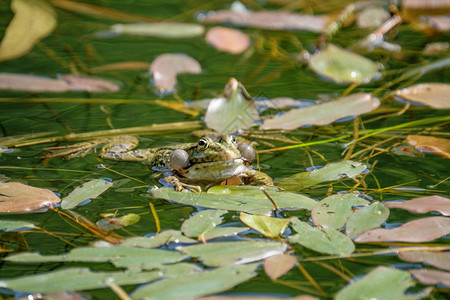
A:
[(214, 159)]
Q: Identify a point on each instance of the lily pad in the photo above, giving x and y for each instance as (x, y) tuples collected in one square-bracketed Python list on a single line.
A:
[(278, 265), (366, 218), (90, 189), (439, 146), (227, 253), (75, 279), (343, 66), (333, 211), (202, 222), (166, 67), (323, 240), (270, 227), (33, 20), (14, 225), (197, 283), (434, 95), (18, 197), (436, 259), (157, 240), (232, 111), (429, 276), (229, 198), (417, 231), (323, 114), (227, 39), (161, 30), (224, 232), (380, 283), (423, 205), (330, 172)]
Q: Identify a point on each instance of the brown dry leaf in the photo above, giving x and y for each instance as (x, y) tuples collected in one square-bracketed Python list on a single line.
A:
[(429, 276), (423, 205), (278, 265), (18, 197), (33, 20), (66, 83), (417, 231), (227, 39), (325, 113), (439, 146), (166, 67), (266, 19), (435, 95), (436, 259)]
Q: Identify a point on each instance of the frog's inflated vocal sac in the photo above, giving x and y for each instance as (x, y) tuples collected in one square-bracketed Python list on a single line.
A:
[(209, 161)]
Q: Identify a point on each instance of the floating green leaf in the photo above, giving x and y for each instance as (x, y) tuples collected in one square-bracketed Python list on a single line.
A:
[(75, 279), (366, 218), (226, 253), (224, 231), (33, 20), (197, 283), (380, 283), (330, 172), (324, 240), (333, 211), (157, 240), (270, 227), (12, 225), (91, 189), (343, 66), (202, 222), (248, 199)]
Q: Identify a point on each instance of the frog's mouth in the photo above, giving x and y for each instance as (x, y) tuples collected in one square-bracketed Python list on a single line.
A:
[(215, 171)]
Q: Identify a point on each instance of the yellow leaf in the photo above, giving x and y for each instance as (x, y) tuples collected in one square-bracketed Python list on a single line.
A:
[(33, 21)]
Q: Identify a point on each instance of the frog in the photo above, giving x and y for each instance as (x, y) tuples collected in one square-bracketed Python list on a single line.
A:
[(209, 161)]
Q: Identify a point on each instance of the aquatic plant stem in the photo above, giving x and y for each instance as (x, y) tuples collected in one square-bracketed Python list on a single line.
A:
[(155, 216)]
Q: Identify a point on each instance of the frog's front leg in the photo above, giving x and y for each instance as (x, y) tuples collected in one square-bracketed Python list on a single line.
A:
[(179, 186), (121, 149)]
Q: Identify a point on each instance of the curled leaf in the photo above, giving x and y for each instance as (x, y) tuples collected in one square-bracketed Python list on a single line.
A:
[(323, 114), (166, 67), (270, 227), (33, 20)]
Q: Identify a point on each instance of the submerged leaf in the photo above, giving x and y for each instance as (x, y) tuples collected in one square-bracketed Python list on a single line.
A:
[(423, 205), (333, 211), (268, 226), (366, 218), (439, 146), (162, 30), (325, 113), (417, 231), (196, 284), (202, 222), (111, 223), (227, 39), (90, 189), (380, 283), (429, 276), (434, 95), (278, 265), (437, 259), (18, 197), (343, 66), (33, 20), (330, 172), (248, 199), (226, 253), (232, 111), (166, 67), (273, 20), (323, 240), (65, 83), (75, 279)]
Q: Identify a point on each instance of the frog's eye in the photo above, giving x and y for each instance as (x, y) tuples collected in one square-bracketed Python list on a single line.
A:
[(248, 153), (203, 143)]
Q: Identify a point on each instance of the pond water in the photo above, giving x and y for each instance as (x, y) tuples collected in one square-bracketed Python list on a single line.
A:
[(269, 68)]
